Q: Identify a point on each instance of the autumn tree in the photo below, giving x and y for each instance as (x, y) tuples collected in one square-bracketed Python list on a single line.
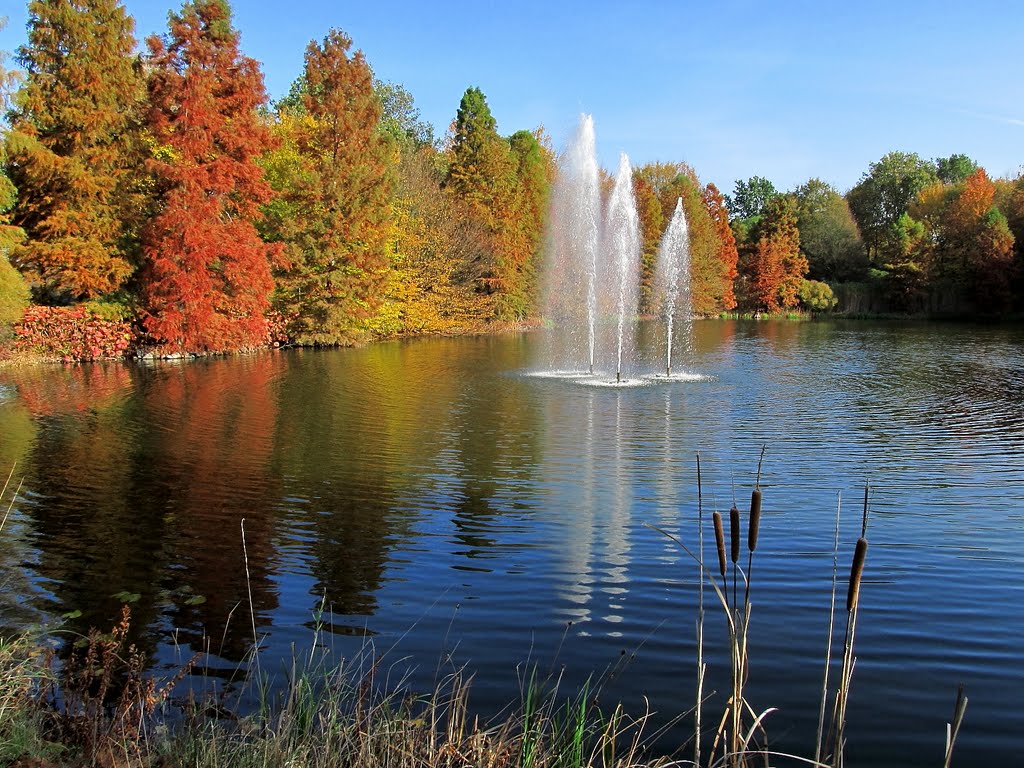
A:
[(521, 223), (710, 276), (338, 198), (828, 234), (1011, 202), (775, 269), (207, 279), (652, 228), (435, 245), (976, 246), (74, 149), (504, 184), (727, 255)]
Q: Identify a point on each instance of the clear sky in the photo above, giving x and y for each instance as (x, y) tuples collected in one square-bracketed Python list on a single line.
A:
[(784, 90)]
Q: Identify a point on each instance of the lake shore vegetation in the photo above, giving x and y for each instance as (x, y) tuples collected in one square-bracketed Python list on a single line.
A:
[(159, 189)]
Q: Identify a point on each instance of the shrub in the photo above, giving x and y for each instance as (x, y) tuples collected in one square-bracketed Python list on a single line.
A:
[(13, 296), (817, 296), (72, 333)]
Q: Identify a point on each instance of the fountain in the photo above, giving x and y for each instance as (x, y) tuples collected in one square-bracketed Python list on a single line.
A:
[(622, 233), (570, 298), (672, 281), (591, 277)]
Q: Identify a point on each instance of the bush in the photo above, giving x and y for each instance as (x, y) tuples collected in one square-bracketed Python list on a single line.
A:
[(816, 296), (72, 333), (13, 296)]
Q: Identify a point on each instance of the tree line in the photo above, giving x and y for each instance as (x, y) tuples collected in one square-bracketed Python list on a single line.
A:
[(161, 188)]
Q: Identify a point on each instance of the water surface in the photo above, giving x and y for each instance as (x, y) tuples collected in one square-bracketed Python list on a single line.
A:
[(451, 507)]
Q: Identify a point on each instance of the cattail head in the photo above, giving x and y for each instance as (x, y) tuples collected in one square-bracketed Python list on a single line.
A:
[(720, 542), (734, 533), (755, 519), (856, 571)]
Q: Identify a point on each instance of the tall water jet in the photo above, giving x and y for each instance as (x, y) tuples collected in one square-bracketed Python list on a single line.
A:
[(572, 270), (622, 235), (672, 279)]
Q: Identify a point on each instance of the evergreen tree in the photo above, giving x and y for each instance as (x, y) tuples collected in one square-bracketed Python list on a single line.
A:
[(74, 148), (481, 165), (207, 279), (337, 232)]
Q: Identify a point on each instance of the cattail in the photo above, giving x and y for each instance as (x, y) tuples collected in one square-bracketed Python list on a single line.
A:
[(755, 519), (734, 532), (720, 541), (855, 573)]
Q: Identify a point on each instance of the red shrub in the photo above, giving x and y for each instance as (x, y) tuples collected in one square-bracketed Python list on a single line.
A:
[(72, 333)]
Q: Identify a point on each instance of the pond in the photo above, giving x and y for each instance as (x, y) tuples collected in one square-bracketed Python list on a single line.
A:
[(437, 499)]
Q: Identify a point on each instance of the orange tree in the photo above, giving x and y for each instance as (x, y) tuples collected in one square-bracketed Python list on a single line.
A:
[(74, 149), (206, 282), (775, 268)]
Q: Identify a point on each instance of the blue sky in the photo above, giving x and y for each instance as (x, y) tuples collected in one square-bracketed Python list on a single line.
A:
[(784, 90)]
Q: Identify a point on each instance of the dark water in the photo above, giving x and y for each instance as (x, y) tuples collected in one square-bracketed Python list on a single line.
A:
[(442, 502)]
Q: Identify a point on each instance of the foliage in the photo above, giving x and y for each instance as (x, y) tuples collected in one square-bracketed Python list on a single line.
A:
[(206, 283), (480, 169), (828, 234), (434, 247), (522, 223), (954, 169), (14, 296), (14, 292), (727, 255), (816, 296), (975, 246), (504, 185), (74, 148), (400, 118), (882, 196), (750, 198), (710, 276), (334, 176), (905, 274), (653, 221), (72, 333), (775, 268)]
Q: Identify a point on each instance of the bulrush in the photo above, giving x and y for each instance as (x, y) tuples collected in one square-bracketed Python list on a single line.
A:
[(755, 519), (720, 541), (734, 533), (856, 571)]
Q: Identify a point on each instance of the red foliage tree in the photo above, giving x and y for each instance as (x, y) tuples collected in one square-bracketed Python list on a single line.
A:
[(728, 255), (207, 278)]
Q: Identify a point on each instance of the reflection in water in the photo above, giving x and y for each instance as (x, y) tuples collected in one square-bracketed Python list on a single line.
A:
[(435, 497)]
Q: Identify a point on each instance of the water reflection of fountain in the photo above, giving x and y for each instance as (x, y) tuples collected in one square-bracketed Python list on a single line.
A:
[(590, 281)]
